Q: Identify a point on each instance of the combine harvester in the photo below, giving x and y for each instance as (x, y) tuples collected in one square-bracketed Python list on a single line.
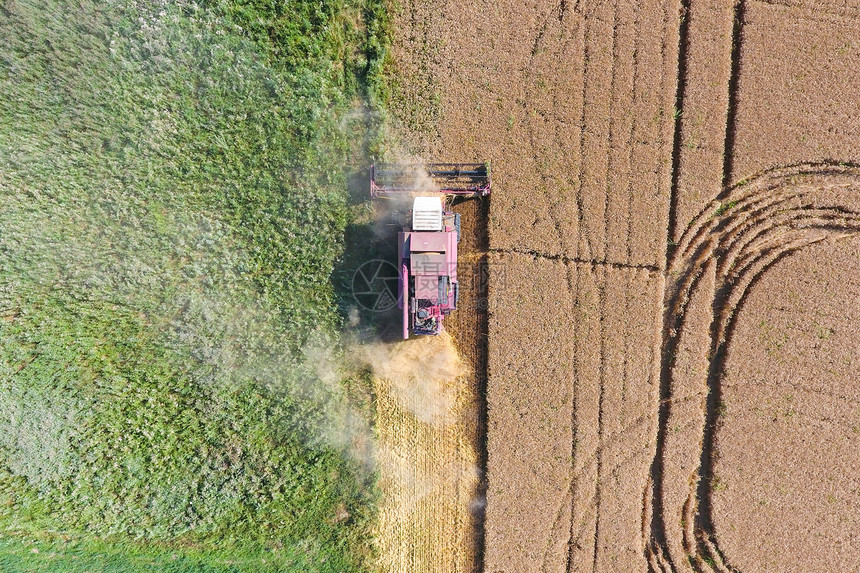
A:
[(427, 252)]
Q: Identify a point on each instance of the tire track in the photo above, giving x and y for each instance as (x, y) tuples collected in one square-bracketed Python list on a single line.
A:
[(584, 449), (568, 501), (734, 78), (739, 238), (634, 124), (576, 261), (600, 430)]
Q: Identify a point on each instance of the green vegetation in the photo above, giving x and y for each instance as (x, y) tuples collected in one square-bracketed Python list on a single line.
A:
[(724, 208), (82, 556), (173, 200)]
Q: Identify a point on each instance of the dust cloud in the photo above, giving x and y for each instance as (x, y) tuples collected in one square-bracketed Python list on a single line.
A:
[(420, 374)]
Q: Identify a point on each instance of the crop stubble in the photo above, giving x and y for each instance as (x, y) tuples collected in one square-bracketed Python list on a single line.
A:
[(425, 421)]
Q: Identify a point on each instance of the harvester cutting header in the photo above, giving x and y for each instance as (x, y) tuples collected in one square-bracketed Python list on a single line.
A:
[(469, 179), (427, 248)]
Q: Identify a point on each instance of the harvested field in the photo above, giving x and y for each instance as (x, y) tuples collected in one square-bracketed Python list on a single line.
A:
[(425, 420), (430, 422), (652, 199)]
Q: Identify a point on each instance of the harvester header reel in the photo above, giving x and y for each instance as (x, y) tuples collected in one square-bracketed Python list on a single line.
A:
[(471, 179)]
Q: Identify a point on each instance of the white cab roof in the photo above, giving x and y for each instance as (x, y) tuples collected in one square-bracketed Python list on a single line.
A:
[(427, 214)]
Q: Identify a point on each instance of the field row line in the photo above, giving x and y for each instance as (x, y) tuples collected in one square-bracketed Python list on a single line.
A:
[(575, 261)]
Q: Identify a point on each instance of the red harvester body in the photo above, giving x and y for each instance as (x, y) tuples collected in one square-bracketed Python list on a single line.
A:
[(427, 251)]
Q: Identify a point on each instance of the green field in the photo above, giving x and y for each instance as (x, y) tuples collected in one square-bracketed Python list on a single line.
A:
[(173, 199)]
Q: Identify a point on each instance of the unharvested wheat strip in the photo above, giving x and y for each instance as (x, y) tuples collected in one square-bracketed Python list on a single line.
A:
[(819, 8), (617, 284), (642, 346), (599, 24), (630, 318), (587, 382), (564, 63), (519, 213), (505, 110), (549, 123), (529, 422), (625, 325), (773, 357), (625, 471), (621, 128), (683, 434), (704, 108), (554, 92), (797, 103), (656, 69)]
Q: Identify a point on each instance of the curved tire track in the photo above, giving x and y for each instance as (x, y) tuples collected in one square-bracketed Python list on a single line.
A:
[(734, 240)]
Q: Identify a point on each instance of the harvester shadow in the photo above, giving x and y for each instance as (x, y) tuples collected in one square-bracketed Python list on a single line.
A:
[(365, 276)]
